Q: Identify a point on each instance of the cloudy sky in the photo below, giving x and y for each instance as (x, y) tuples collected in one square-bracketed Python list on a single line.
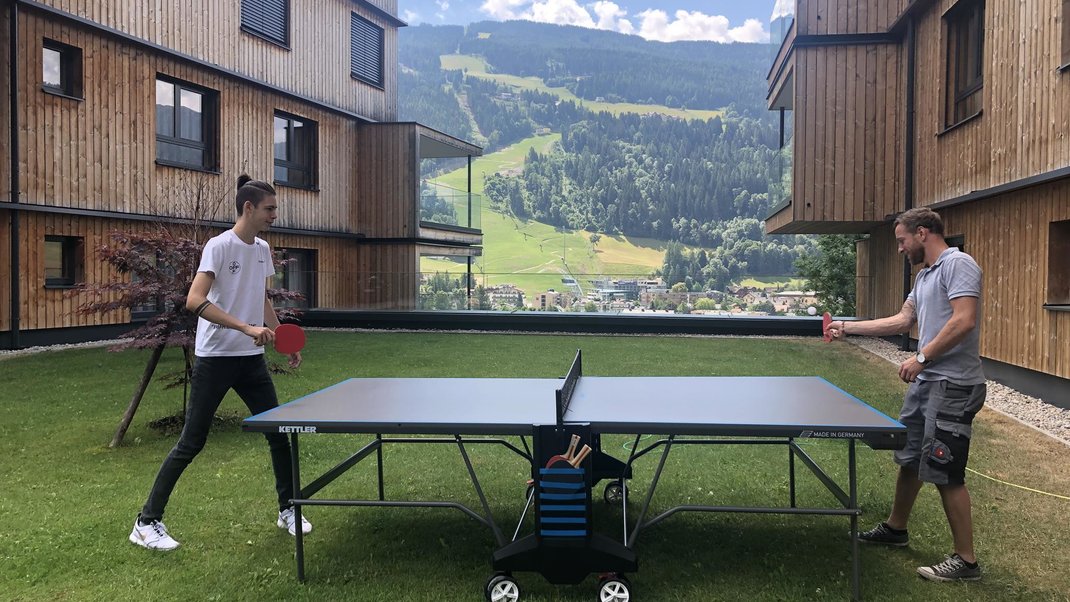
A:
[(662, 20)]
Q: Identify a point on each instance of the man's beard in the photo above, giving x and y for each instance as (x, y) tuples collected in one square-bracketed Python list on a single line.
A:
[(917, 256)]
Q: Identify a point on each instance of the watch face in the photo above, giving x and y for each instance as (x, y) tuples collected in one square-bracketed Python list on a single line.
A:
[(921, 358)]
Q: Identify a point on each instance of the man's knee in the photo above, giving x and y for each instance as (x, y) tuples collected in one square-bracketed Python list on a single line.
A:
[(188, 447)]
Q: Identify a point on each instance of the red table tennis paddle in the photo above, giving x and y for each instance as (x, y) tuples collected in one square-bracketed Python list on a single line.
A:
[(565, 459), (289, 339), (826, 319)]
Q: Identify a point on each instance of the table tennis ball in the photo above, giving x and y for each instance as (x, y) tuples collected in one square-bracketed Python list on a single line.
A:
[(811, 310)]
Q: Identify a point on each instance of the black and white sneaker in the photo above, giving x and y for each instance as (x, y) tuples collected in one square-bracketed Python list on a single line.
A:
[(884, 535), (953, 568)]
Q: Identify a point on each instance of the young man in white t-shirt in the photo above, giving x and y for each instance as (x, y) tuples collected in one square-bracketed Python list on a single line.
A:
[(236, 320)]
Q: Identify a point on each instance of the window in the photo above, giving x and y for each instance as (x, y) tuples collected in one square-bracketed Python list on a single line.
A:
[(63, 260), (149, 308), (61, 69), (1059, 263), (365, 50), (268, 19), (295, 151), (297, 275), (185, 125), (965, 66), (1065, 61)]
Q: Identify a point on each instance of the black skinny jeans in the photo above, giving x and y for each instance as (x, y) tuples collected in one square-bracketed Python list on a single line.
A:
[(212, 378)]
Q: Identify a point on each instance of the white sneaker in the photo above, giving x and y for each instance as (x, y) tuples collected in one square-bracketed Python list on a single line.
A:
[(286, 521), (152, 536)]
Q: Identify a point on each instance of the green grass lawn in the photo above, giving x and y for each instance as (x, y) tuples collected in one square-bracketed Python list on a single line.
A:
[(68, 501), (790, 283), (477, 67)]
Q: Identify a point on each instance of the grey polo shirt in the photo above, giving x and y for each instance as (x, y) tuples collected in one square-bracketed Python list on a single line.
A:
[(955, 274)]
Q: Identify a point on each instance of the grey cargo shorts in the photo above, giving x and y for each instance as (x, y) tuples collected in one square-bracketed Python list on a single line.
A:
[(939, 415)]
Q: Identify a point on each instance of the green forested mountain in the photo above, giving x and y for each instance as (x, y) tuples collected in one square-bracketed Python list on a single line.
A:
[(593, 63), (693, 182)]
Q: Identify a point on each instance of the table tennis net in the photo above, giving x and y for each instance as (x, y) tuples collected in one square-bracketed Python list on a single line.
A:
[(564, 394)]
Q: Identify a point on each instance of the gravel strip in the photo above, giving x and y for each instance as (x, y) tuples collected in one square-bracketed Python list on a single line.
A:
[(1033, 412), (1046, 418), (6, 353)]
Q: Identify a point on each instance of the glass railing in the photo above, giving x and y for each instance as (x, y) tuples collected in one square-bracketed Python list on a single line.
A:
[(447, 206), (781, 174), (452, 288), (781, 20)]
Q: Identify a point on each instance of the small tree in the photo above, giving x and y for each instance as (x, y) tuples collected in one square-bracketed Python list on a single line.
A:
[(155, 268), (831, 273)]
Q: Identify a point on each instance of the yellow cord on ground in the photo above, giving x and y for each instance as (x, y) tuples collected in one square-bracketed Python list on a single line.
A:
[(981, 474)]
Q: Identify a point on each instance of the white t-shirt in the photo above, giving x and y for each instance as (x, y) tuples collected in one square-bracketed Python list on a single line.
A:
[(240, 286)]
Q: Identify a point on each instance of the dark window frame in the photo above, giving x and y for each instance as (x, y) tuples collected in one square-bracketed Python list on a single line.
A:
[(209, 126), (312, 166), (72, 260), (152, 308), (1057, 291), (246, 9), (1064, 61), (356, 70), (70, 70), (281, 279), (964, 25)]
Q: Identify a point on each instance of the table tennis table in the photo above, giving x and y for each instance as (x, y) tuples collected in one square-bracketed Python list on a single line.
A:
[(564, 548)]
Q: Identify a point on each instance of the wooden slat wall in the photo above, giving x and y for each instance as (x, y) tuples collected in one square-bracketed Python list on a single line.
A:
[(864, 286), (42, 307), (1008, 236), (823, 17), (337, 284), (5, 110), (1025, 126), (336, 258), (386, 180), (879, 275), (316, 65), (848, 138), (388, 276), (386, 208), (100, 153)]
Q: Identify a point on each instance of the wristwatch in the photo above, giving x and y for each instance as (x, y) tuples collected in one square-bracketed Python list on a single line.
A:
[(920, 357)]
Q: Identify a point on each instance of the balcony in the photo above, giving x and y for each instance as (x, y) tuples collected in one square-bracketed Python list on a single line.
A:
[(395, 203), (445, 208)]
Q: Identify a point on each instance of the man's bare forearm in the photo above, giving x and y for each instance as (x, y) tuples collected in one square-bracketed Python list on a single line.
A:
[(896, 324)]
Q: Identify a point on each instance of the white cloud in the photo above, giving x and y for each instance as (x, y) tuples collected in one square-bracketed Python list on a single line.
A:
[(654, 24), (561, 12), (503, 9), (409, 16), (611, 17), (443, 5), (688, 25), (783, 8)]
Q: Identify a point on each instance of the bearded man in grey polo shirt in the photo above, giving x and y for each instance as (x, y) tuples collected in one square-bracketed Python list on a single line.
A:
[(947, 387)]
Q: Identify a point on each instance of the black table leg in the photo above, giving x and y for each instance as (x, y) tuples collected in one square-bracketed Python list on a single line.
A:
[(299, 534)]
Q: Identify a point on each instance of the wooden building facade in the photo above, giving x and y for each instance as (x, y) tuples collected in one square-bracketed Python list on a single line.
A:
[(119, 116), (958, 105)]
